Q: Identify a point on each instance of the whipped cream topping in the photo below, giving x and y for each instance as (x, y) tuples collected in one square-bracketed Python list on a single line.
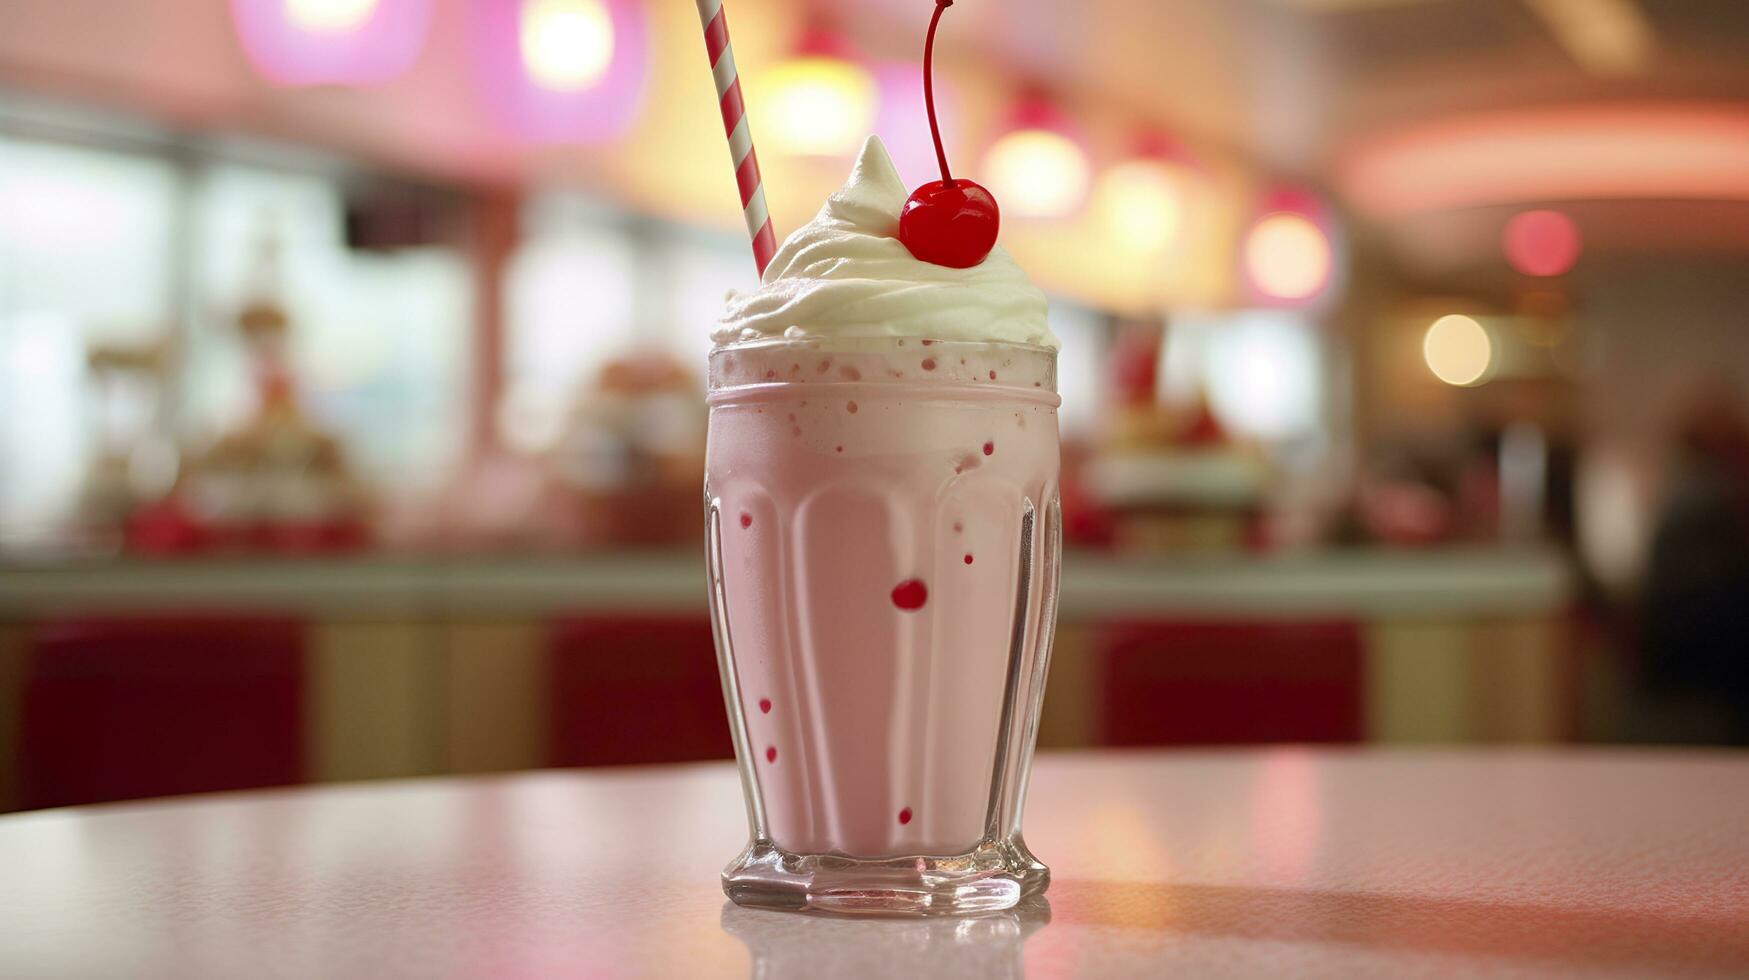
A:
[(845, 274)]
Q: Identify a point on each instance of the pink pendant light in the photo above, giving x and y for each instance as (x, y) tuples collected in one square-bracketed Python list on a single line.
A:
[(562, 71), (819, 102), (1541, 243), (301, 43), (1288, 255), (1144, 200), (1038, 168)]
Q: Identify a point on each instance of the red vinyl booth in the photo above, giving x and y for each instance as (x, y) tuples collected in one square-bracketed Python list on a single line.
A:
[(118, 709), (636, 690), (1230, 683)]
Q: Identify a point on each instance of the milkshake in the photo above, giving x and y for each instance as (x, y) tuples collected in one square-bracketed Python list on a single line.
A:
[(881, 492)]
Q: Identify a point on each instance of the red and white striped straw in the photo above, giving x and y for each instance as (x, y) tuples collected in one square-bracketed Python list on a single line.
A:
[(716, 43)]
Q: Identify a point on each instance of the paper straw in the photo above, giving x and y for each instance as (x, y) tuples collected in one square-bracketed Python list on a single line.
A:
[(753, 210)]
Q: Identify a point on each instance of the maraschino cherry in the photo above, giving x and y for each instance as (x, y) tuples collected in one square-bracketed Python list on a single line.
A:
[(948, 222)]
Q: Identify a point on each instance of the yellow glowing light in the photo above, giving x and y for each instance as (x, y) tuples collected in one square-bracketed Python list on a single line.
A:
[(1287, 256), (566, 44), (1457, 350), (1606, 37), (328, 16), (1036, 173), (1141, 203), (815, 105)]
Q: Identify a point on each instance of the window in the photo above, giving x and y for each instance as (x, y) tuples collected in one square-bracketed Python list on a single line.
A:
[(1085, 337), (85, 260), (1262, 371), (571, 295), (133, 251), (379, 341)]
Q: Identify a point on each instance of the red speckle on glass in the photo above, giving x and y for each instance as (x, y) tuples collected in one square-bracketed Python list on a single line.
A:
[(765, 706), (910, 594), (851, 408), (962, 360), (929, 364), (840, 449), (746, 519), (770, 374), (795, 430), (992, 375), (823, 366), (771, 753), (905, 816), (926, 343), (989, 447), (901, 342), (1037, 384), (958, 527), (849, 373), (968, 559), (793, 368)]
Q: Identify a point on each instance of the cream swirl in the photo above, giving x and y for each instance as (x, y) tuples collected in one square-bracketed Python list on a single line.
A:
[(846, 274)]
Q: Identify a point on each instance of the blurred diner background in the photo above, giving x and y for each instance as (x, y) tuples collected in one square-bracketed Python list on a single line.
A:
[(351, 367)]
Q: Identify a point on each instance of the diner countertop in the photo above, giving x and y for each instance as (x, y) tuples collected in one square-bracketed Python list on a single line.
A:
[(1346, 584), (1282, 862)]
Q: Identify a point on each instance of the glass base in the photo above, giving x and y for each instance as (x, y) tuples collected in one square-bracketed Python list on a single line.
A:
[(996, 875)]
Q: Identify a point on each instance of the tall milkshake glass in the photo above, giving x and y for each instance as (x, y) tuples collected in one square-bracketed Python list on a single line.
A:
[(884, 540)]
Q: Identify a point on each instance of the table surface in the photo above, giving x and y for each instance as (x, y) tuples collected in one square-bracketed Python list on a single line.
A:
[(1295, 862)]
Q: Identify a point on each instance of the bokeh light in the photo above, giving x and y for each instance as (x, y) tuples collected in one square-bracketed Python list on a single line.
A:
[(1656, 151), (328, 16), (1141, 204), (298, 43), (1287, 256), (1262, 373), (1036, 173), (1541, 243), (902, 122), (1457, 350), (566, 44), (561, 71), (816, 105)]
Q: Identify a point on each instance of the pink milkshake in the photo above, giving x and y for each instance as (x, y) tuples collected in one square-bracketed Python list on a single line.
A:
[(881, 487)]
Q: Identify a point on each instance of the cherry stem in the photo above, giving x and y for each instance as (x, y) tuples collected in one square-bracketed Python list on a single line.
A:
[(929, 89)]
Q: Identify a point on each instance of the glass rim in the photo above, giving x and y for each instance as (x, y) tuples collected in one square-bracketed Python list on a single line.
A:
[(858, 343), (1029, 371)]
